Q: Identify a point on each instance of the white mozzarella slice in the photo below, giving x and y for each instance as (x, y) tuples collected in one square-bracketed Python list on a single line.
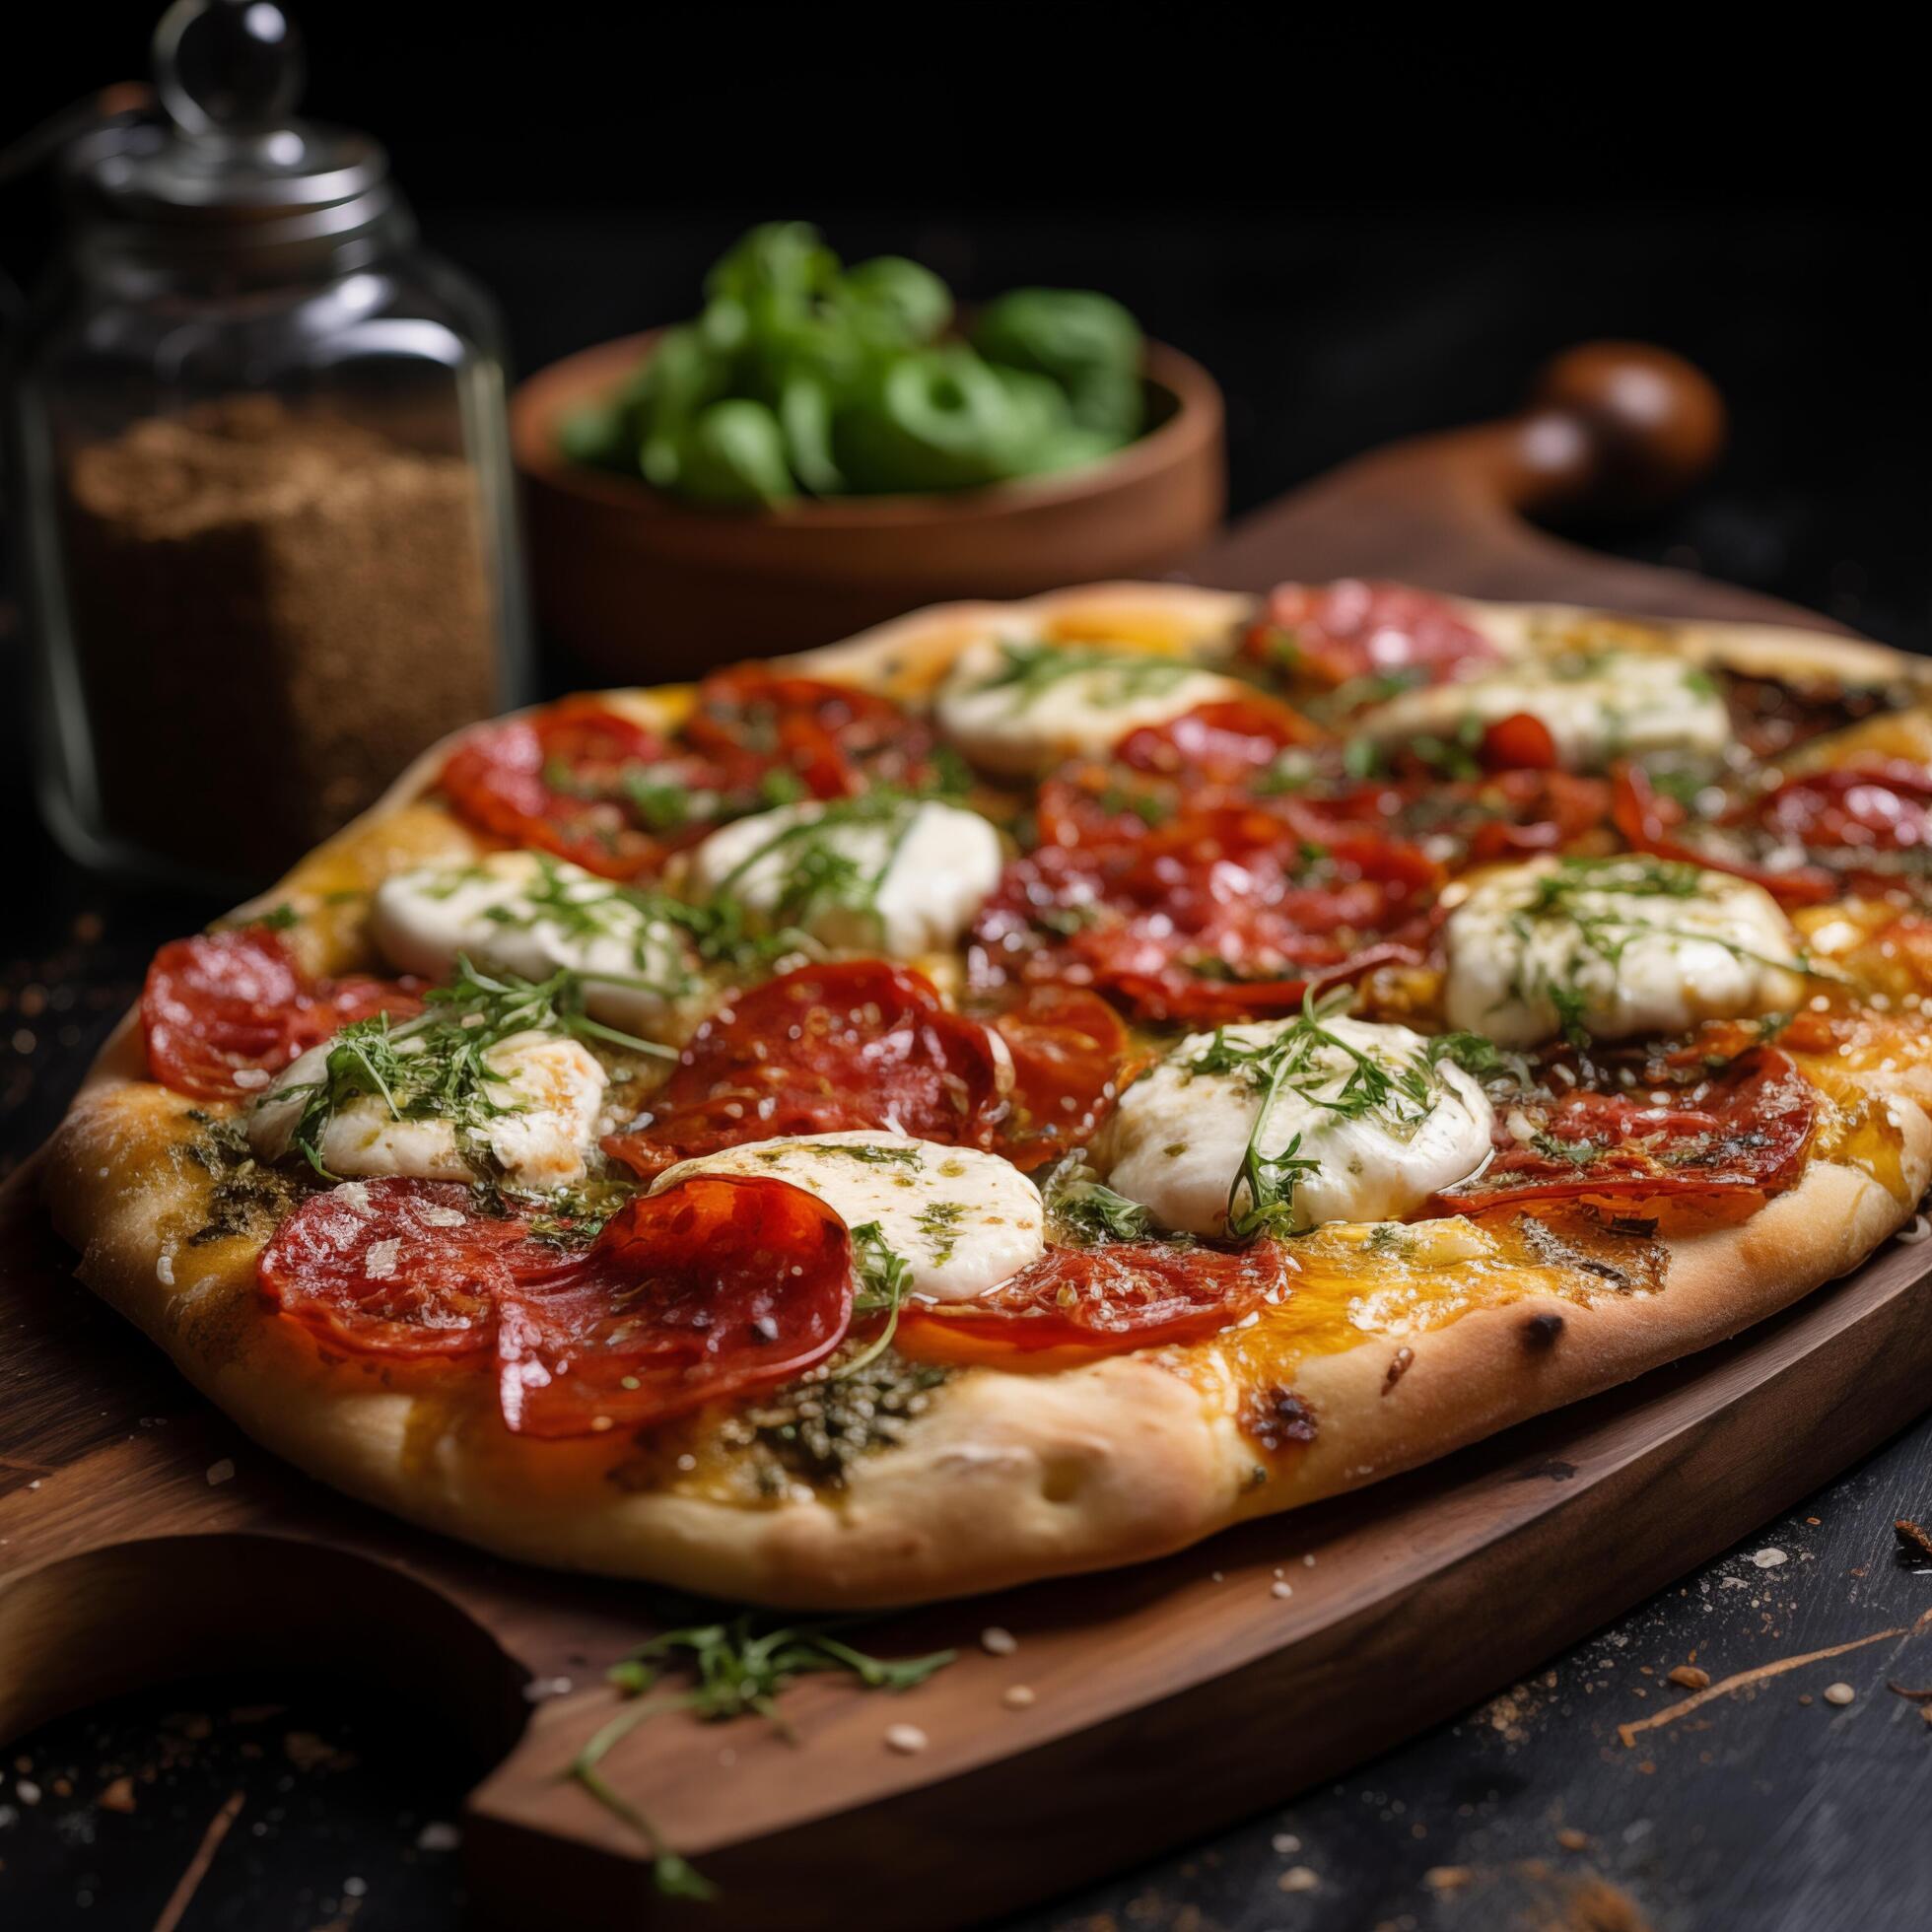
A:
[(545, 1104), (1378, 1126), (1619, 948), (963, 1222), (1596, 706), (1019, 709), (900, 876), (530, 913)]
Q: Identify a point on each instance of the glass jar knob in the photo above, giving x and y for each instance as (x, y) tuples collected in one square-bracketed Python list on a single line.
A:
[(227, 67)]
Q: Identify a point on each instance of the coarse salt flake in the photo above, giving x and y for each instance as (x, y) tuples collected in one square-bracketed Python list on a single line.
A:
[(906, 1739), (379, 1262)]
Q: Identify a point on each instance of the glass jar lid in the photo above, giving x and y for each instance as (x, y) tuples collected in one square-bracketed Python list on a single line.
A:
[(230, 160)]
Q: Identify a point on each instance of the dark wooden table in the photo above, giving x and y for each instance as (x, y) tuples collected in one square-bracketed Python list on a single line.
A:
[(1774, 1808)]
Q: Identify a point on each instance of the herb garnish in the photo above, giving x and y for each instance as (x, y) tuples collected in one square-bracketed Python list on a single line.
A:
[(1029, 671), (815, 873), (436, 1067), (884, 1279), (1082, 1212), (734, 1669), (1301, 1058), (1570, 892)]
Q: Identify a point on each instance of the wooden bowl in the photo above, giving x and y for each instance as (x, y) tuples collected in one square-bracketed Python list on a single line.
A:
[(647, 589)]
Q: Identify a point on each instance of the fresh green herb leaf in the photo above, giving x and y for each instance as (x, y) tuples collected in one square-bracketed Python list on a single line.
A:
[(726, 1669)]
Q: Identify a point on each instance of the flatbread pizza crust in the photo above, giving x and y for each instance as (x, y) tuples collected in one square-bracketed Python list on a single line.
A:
[(1003, 1477)]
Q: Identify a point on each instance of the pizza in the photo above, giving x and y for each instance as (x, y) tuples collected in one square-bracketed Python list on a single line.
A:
[(1027, 1088)]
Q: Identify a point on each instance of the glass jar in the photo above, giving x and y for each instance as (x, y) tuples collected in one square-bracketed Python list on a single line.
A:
[(263, 474)]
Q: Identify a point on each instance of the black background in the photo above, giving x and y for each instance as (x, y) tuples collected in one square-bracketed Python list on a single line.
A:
[(1365, 228)]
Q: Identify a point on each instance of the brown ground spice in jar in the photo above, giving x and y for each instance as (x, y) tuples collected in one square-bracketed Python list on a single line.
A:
[(273, 613)]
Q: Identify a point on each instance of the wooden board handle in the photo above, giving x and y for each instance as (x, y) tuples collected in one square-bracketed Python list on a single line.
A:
[(1608, 428)]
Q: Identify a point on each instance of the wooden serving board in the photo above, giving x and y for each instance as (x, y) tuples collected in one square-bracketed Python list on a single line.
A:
[(141, 1535)]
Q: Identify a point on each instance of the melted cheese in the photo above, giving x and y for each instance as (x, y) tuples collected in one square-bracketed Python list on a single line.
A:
[(1179, 1139), (549, 1095), (962, 1222), (529, 914), (1595, 707), (905, 878), (1019, 709), (1591, 943)]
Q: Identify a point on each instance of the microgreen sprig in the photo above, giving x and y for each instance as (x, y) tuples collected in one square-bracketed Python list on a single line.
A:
[(730, 1669)]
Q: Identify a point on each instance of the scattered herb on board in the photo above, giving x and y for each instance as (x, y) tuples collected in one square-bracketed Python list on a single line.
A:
[(727, 1670)]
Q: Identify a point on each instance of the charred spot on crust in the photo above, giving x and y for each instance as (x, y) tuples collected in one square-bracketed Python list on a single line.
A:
[(1275, 1418), (1398, 1367), (1539, 1332)]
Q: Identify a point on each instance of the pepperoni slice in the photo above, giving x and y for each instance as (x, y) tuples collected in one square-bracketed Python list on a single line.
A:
[(836, 738), (398, 1268), (1886, 808), (1220, 743), (1326, 634), (826, 1048), (1729, 1144), (596, 788), (1109, 1299), (717, 1286), (224, 1006), (714, 1287), (1068, 1049), (1651, 823), (1222, 914)]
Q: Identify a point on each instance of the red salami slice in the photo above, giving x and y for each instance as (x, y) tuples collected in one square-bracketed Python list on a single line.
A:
[(1653, 824), (398, 1268), (835, 738), (596, 788), (1326, 634), (221, 1010), (714, 1288), (1223, 743), (1884, 807), (1727, 1143), (711, 1288), (1069, 1049), (1222, 913), (1102, 1300), (827, 1048)]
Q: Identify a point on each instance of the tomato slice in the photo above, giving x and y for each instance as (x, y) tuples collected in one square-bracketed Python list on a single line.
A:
[(223, 1008), (1729, 1144), (719, 1286), (1521, 741), (398, 1268), (1103, 1301), (826, 1048), (837, 738), (1068, 1048), (1324, 635)]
